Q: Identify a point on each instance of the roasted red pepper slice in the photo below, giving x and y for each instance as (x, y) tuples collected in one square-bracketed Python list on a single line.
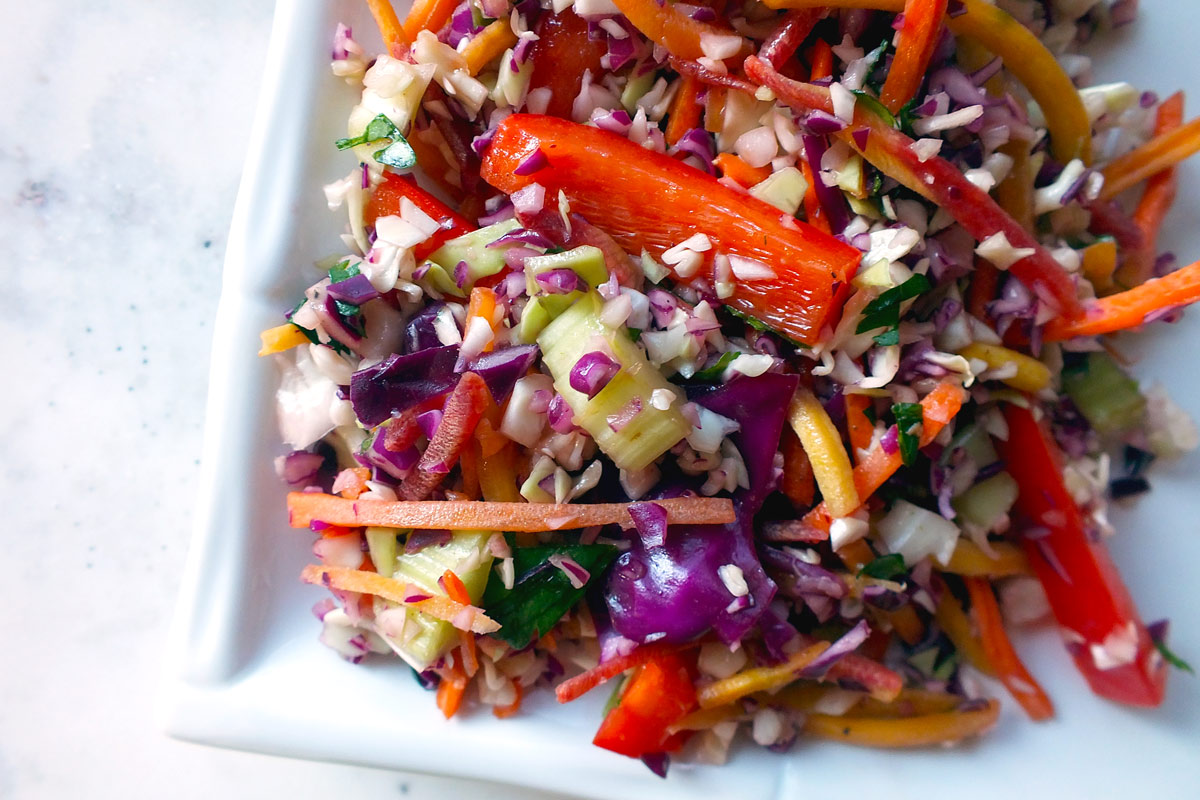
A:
[(1102, 628), (385, 201), (650, 201), (658, 695)]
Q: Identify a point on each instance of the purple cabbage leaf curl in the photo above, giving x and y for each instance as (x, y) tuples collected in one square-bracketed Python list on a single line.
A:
[(666, 586)]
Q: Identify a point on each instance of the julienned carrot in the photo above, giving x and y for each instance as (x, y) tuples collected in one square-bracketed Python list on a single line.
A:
[(1155, 202), (856, 554), (504, 712), (894, 732), (465, 515), (456, 591), (280, 338), (812, 204), (1161, 152), (427, 15), (821, 55), (858, 426), (685, 109), (450, 691), (676, 31), (574, 688), (797, 482), (1130, 308), (914, 48), (985, 282), (488, 45), (938, 407), (460, 615), (389, 26), (907, 624), (734, 167), (463, 410), (482, 305), (1000, 653)]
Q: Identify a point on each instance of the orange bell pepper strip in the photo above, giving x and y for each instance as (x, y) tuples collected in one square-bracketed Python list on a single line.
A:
[(386, 199), (1001, 655), (1155, 202), (821, 56), (1024, 56), (938, 407), (560, 56), (488, 45), (670, 27), (1130, 308), (653, 203), (660, 693), (860, 429), (451, 690), (1100, 623), (394, 38), (736, 169), (936, 179), (427, 15), (280, 338), (685, 109), (914, 49), (798, 483), (1161, 152)]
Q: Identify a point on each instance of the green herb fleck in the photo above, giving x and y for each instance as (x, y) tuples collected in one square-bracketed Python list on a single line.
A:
[(398, 153), (1174, 660), (873, 105), (634, 333), (342, 271), (909, 417), (885, 568), (887, 338), (884, 311), (713, 373)]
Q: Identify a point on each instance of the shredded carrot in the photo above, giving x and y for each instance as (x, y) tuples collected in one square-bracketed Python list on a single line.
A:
[(482, 305), (821, 57), (1161, 152), (450, 691), (280, 338), (1156, 200), (459, 615), (823, 443), (915, 43), (812, 204), (1000, 653), (488, 45), (504, 712), (985, 282), (389, 27), (907, 624), (1129, 309), (758, 679), (456, 591), (685, 109), (574, 688), (856, 554), (939, 407), (797, 483), (969, 560), (957, 626), (736, 168), (454, 587), (351, 482), (304, 507), (858, 425), (428, 15), (895, 732)]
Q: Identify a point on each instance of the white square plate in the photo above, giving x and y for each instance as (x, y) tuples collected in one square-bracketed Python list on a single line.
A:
[(245, 670)]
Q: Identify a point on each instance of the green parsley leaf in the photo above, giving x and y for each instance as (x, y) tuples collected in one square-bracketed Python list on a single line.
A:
[(398, 154), (885, 568), (1174, 660), (346, 309), (713, 374), (873, 105), (887, 338), (634, 333), (379, 128), (909, 417), (342, 271), (763, 327), (884, 311)]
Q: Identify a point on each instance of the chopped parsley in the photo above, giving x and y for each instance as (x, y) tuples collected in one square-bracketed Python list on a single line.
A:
[(884, 311), (909, 417), (1172, 659), (342, 271), (398, 153), (713, 373), (762, 327), (885, 568)]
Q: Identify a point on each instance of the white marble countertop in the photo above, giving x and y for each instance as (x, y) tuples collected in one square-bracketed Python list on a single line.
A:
[(121, 146)]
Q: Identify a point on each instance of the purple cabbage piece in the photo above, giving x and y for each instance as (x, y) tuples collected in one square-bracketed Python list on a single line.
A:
[(673, 589), (419, 333), (650, 521), (832, 201), (356, 289), (847, 644), (501, 368), (803, 578), (395, 464), (592, 372)]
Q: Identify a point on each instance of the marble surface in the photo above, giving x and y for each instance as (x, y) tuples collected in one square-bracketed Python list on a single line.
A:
[(121, 146)]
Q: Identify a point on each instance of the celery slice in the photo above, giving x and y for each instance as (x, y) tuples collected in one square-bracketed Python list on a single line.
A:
[(482, 261), (651, 431), (1107, 397), (585, 261), (988, 502), (540, 311), (381, 546)]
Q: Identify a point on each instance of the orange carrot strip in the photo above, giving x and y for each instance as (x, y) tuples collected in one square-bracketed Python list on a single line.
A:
[(860, 428), (280, 338), (389, 26), (670, 27), (812, 204), (914, 48), (821, 56), (1000, 653), (454, 587), (984, 283), (798, 483), (856, 554), (1156, 200), (428, 15), (574, 688), (939, 407), (894, 732), (1129, 309), (732, 166), (465, 515), (483, 305), (450, 692), (907, 624), (443, 608), (1161, 152), (488, 45), (457, 592), (685, 109), (504, 712)]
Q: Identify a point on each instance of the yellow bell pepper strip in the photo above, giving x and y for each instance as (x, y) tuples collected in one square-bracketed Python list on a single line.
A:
[(895, 732), (1130, 308), (758, 679), (671, 28), (280, 338), (915, 42), (654, 203), (823, 443), (1161, 152), (1099, 262), (955, 623), (936, 179), (390, 28), (488, 45), (970, 561), (1024, 56), (1031, 376)]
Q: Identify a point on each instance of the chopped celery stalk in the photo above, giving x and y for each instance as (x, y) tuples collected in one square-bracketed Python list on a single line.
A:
[(978, 444), (586, 261), (783, 189), (850, 176), (540, 311), (648, 432), (987, 503), (467, 555), (635, 88), (482, 261), (381, 546), (1107, 397)]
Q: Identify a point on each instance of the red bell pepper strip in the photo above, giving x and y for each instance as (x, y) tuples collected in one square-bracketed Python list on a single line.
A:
[(936, 179), (385, 201), (914, 49), (1132, 307), (783, 42), (560, 56), (1100, 624), (659, 694), (652, 202), (574, 688)]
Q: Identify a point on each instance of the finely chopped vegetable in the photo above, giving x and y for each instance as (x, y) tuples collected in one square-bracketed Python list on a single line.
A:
[(749, 357)]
